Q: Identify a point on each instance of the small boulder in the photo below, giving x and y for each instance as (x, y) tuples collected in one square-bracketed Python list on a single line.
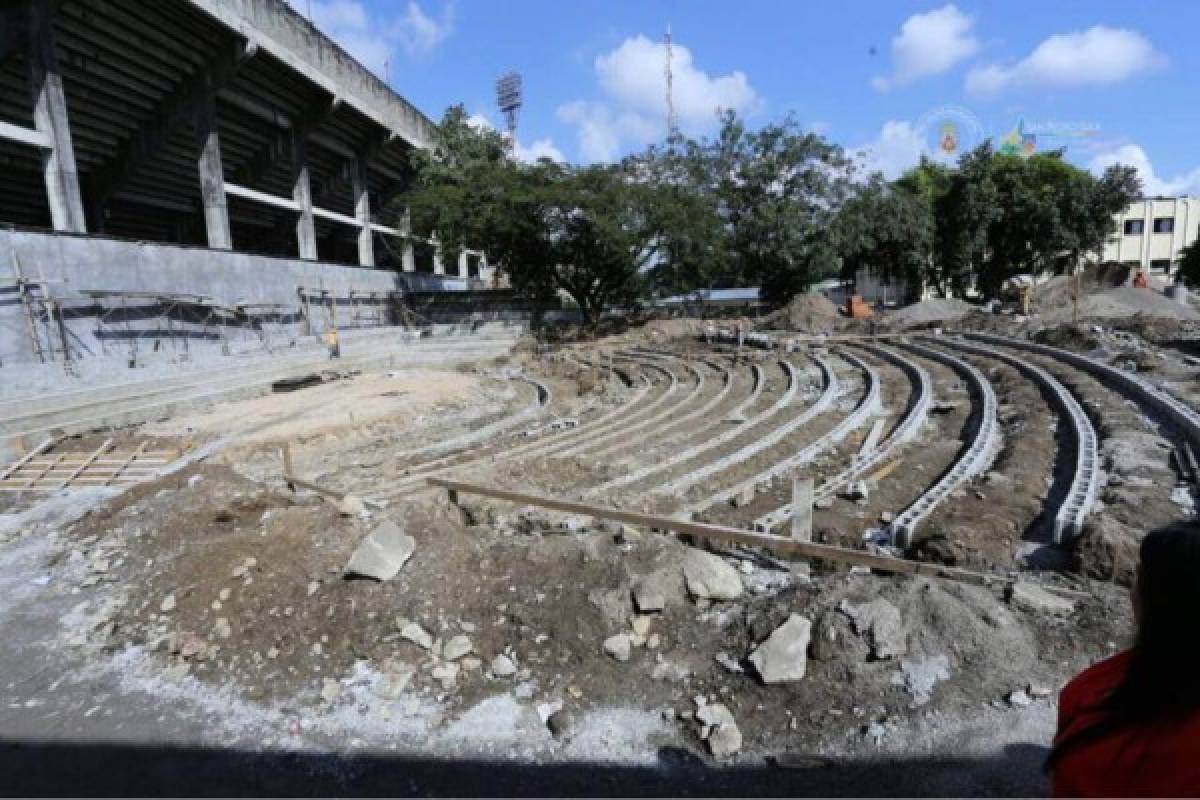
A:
[(1029, 597), (619, 647), (382, 553), (417, 635), (503, 667), (648, 597), (881, 622), (708, 577), (351, 506), (783, 657), (456, 648), (720, 730)]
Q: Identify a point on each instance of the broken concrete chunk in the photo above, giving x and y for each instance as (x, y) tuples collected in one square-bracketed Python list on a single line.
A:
[(417, 635), (168, 604), (456, 648), (382, 553), (708, 577), (920, 676), (783, 657), (648, 598), (743, 498), (881, 623), (330, 690), (445, 674), (503, 667), (351, 506), (619, 647), (720, 730), (1033, 598)]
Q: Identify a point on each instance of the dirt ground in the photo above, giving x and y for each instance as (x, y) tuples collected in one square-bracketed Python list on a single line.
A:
[(520, 634)]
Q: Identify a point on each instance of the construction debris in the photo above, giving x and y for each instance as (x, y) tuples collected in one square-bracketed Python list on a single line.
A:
[(382, 553)]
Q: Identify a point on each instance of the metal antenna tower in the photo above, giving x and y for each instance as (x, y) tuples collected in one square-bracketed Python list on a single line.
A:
[(508, 100), (672, 119)]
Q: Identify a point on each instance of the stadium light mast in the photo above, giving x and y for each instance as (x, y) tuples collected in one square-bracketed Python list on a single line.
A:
[(508, 100)]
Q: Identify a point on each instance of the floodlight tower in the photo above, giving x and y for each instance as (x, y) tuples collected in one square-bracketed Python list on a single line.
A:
[(508, 100)]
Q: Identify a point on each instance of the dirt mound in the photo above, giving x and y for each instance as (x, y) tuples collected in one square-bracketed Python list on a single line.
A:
[(806, 313), (927, 312)]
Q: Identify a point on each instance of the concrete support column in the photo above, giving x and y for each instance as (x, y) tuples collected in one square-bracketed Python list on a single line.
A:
[(439, 266), (802, 508), (408, 256), (306, 229), (362, 212), (50, 118), (212, 172), (464, 265)]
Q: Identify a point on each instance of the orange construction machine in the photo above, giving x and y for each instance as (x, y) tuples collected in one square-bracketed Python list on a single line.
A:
[(857, 309)]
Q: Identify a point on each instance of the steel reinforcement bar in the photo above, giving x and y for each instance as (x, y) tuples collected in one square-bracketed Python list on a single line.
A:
[(976, 458), (1085, 481)]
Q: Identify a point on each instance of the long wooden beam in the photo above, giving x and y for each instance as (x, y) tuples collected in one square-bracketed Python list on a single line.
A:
[(776, 544)]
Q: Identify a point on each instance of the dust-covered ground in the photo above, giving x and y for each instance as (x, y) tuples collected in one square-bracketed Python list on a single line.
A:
[(210, 610)]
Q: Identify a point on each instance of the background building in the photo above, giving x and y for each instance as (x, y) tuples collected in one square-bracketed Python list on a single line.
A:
[(1152, 232)]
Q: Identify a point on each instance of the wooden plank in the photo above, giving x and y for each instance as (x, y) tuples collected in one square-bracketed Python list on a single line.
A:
[(34, 479), (101, 450), (777, 544), (121, 470), (27, 458)]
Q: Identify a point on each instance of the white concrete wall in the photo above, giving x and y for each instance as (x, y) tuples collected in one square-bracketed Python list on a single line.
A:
[(71, 264)]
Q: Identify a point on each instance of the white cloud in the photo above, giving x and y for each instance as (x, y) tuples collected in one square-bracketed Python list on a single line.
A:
[(633, 110), (1133, 155), (898, 147), (420, 33), (929, 44), (373, 41), (1094, 57), (541, 148)]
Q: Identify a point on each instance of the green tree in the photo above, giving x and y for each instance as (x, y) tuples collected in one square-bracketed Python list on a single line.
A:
[(888, 230), (1189, 265), (551, 227)]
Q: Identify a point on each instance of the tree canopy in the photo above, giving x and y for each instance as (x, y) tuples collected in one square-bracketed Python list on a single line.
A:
[(776, 207)]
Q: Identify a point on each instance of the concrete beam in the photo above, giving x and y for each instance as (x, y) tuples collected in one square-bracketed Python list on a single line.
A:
[(27, 136), (255, 196), (174, 110), (290, 38), (50, 119)]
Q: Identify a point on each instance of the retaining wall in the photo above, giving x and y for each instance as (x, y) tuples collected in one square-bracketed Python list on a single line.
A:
[(141, 331)]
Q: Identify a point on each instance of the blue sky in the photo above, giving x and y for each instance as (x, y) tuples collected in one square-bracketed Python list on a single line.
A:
[(1111, 81)]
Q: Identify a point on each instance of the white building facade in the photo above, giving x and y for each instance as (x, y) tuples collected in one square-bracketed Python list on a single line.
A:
[(1151, 233)]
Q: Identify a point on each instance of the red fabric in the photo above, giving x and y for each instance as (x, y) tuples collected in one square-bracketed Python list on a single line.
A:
[(1162, 760)]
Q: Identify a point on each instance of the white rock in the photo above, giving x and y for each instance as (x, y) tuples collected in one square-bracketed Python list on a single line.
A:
[(382, 553), (456, 648), (417, 635), (351, 506), (222, 629), (503, 667), (640, 625), (1018, 698), (709, 577), (783, 657), (445, 674), (724, 737), (648, 598), (881, 622), (330, 690), (919, 676), (1034, 598), (619, 647), (168, 604)]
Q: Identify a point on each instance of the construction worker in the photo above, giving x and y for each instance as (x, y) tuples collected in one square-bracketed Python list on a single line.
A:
[(1139, 280), (331, 339), (1130, 725)]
